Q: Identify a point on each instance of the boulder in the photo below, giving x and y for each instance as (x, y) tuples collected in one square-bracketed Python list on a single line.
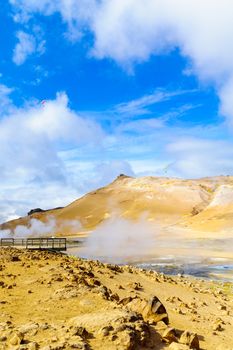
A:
[(169, 335), (154, 310), (190, 339)]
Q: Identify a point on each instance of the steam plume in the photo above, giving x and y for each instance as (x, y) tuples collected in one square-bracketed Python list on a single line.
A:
[(37, 228), (120, 240)]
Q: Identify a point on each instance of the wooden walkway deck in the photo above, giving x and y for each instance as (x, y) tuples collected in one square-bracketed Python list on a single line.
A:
[(56, 244)]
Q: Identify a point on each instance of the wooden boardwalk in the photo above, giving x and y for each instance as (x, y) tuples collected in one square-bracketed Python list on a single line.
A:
[(56, 244)]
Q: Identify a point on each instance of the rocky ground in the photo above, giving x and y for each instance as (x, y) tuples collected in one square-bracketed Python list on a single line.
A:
[(51, 301)]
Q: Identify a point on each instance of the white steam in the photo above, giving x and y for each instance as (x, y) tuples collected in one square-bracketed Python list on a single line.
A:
[(5, 233), (37, 228), (120, 240)]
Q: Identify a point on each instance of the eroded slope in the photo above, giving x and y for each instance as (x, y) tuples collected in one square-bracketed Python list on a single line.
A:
[(202, 204)]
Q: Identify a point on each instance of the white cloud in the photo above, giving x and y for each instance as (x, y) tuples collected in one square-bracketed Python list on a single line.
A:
[(94, 169), (58, 122), (131, 31), (41, 158), (75, 13), (19, 197), (31, 137), (142, 126), (226, 107), (141, 106), (26, 46), (17, 200), (197, 157), (50, 155), (105, 172), (70, 10), (5, 100)]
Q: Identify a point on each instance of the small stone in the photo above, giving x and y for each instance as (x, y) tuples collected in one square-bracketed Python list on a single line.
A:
[(81, 331), (105, 331), (222, 307), (78, 345), (29, 327), (226, 313), (115, 297), (15, 258), (218, 327), (169, 335), (32, 346), (44, 326), (54, 339), (16, 339), (125, 301)]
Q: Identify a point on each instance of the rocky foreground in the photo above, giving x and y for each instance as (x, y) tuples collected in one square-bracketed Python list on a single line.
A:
[(51, 301)]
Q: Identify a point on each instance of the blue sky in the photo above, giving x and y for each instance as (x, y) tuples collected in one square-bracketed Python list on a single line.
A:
[(136, 87)]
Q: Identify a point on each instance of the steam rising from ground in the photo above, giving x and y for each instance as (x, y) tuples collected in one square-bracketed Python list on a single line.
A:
[(167, 249), (120, 240), (37, 228)]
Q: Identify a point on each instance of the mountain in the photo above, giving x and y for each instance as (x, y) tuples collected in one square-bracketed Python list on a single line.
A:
[(200, 204)]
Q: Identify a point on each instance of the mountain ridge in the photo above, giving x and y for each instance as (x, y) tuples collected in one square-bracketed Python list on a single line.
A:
[(201, 204)]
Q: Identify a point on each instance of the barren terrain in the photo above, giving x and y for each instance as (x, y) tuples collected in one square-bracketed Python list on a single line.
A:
[(52, 301), (200, 205), (192, 219)]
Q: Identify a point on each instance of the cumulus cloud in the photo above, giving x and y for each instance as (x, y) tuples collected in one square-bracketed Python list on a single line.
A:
[(50, 155), (131, 31), (19, 196), (28, 139)]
